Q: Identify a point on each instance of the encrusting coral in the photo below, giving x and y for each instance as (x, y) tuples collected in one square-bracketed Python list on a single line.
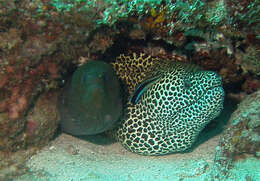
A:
[(242, 135)]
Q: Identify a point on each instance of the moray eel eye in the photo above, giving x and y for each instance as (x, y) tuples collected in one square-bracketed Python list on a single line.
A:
[(187, 84)]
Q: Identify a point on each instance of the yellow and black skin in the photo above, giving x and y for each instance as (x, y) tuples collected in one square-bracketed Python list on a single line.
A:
[(169, 103)]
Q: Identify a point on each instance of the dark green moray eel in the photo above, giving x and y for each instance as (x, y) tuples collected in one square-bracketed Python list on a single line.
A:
[(91, 101), (169, 103)]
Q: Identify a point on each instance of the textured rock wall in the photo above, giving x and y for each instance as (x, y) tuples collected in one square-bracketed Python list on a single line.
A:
[(43, 41)]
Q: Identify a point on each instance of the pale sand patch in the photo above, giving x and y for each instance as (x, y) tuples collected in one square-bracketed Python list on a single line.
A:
[(69, 158)]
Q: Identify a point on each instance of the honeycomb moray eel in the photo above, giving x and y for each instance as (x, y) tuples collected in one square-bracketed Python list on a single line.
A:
[(169, 104), (91, 101)]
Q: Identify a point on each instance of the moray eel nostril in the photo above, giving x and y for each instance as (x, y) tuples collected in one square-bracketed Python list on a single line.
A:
[(91, 102), (170, 103)]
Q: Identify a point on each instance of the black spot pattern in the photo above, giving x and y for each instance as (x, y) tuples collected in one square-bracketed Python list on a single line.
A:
[(173, 110)]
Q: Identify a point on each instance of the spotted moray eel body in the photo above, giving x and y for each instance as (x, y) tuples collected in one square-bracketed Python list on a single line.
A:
[(169, 103)]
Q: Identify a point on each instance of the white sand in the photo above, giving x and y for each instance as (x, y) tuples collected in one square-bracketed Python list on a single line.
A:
[(69, 158)]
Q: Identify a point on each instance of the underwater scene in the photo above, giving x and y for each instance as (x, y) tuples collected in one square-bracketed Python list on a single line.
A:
[(129, 90)]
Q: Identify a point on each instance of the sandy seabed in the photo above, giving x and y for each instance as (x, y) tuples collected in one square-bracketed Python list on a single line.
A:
[(69, 158)]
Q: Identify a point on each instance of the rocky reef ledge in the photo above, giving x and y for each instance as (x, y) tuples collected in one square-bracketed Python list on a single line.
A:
[(42, 42)]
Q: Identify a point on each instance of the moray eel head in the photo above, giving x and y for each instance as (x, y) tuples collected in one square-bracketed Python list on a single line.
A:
[(91, 102), (169, 108)]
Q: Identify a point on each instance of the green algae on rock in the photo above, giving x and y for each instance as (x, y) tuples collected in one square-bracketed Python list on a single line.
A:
[(240, 141), (91, 101), (242, 135), (173, 102)]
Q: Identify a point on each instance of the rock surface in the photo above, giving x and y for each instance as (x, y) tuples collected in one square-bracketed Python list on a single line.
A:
[(41, 42), (42, 121), (242, 135), (243, 132)]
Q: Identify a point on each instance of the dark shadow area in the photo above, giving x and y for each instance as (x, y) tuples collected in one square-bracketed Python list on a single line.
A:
[(123, 43), (58, 133), (99, 139)]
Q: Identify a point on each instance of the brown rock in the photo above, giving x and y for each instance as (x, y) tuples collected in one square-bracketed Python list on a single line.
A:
[(42, 121), (242, 135)]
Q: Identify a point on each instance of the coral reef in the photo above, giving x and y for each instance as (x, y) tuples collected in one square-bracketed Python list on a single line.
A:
[(242, 135), (36, 49), (12, 164), (41, 125), (37, 127), (42, 121), (249, 60), (42, 42), (244, 14)]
